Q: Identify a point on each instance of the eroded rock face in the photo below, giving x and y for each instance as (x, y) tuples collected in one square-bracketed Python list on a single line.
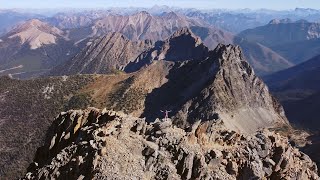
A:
[(104, 55), (234, 93), (100, 144)]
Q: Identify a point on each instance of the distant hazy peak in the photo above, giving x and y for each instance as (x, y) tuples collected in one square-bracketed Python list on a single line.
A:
[(287, 21), (302, 21), (170, 15), (36, 33), (36, 23), (142, 13), (280, 21)]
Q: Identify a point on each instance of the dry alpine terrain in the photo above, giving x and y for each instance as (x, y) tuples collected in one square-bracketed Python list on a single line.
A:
[(218, 86), (159, 92)]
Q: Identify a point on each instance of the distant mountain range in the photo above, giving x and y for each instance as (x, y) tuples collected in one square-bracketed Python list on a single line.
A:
[(231, 20), (263, 59), (70, 20), (283, 31), (240, 20), (47, 46), (299, 51), (141, 25), (297, 41), (267, 52)]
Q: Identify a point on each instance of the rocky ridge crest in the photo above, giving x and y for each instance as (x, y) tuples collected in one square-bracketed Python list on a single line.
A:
[(95, 144)]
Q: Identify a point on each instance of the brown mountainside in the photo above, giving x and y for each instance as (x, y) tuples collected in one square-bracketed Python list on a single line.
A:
[(103, 55), (143, 25)]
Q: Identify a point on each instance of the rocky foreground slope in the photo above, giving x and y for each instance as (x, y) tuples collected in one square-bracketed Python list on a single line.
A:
[(101, 144)]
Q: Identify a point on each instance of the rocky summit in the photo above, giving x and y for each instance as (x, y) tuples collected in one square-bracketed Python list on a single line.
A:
[(234, 92), (101, 144)]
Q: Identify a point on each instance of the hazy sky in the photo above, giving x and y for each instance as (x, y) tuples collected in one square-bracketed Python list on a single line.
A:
[(207, 4)]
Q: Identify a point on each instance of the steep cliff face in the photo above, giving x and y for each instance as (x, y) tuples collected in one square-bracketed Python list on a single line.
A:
[(95, 144), (234, 92), (193, 81), (219, 84)]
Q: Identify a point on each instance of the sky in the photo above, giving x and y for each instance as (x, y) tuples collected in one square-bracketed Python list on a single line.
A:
[(199, 4)]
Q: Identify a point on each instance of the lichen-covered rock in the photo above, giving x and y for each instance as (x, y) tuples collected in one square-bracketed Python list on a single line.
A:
[(101, 144)]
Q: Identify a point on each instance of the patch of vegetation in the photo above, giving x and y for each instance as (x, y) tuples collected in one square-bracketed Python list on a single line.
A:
[(79, 101), (126, 98)]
